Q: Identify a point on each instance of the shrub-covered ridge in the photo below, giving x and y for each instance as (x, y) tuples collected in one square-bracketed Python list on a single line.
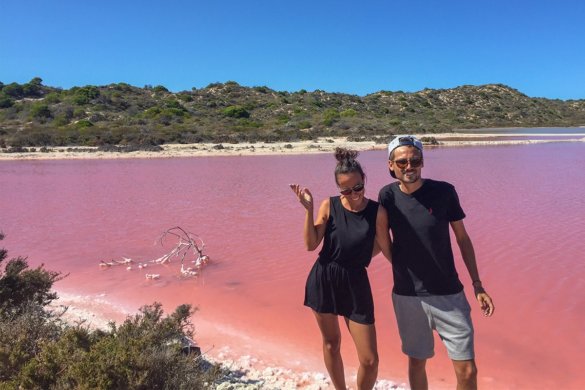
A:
[(33, 114)]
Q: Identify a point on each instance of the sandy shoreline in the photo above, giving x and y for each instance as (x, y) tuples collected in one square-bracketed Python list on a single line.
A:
[(246, 372), (321, 145)]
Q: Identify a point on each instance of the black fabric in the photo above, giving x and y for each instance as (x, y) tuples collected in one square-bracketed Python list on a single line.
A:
[(422, 257), (338, 282)]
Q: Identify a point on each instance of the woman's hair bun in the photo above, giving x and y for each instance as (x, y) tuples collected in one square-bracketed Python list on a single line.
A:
[(347, 162), (343, 154)]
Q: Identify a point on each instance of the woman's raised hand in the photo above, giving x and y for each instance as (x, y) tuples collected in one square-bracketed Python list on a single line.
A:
[(303, 195)]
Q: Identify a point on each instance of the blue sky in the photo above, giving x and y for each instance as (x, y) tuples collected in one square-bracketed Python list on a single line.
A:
[(357, 47)]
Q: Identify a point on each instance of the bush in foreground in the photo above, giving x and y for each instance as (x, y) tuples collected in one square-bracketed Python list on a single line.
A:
[(39, 351)]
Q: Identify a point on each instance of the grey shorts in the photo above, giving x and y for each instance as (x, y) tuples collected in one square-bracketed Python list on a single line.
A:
[(449, 315)]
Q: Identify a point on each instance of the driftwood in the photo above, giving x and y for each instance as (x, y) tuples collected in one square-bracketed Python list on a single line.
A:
[(111, 263), (189, 246)]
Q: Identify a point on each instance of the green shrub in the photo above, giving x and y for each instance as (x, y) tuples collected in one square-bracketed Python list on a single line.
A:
[(122, 87), (21, 287), (282, 118), (160, 88), (173, 103), (52, 98), (22, 337), (304, 125), (317, 103), (83, 123), (247, 123), (39, 351), (348, 113), (174, 112), (33, 137), (32, 90), (142, 353), (213, 85), (79, 113), (262, 89), (5, 101), (329, 116), (152, 112), (84, 95), (186, 97), (67, 136), (40, 111), (13, 90), (236, 112)]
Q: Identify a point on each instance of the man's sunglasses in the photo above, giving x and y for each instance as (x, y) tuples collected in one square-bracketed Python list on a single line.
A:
[(403, 162), (357, 188)]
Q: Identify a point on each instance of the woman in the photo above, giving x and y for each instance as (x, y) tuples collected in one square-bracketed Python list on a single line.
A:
[(349, 225)]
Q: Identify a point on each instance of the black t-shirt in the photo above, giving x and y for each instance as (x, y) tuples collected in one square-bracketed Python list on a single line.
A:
[(422, 257)]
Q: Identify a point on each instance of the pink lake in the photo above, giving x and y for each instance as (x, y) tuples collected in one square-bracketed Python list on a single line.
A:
[(526, 216)]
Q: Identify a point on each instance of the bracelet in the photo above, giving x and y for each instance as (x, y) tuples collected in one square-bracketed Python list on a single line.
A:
[(475, 281)]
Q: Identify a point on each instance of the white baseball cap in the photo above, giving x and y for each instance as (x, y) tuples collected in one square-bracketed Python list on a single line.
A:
[(404, 140)]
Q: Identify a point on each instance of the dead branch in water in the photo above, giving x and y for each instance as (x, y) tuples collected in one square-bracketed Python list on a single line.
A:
[(112, 263), (188, 245)]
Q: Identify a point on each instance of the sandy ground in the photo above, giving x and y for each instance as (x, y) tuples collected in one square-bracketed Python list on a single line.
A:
[(303, 147)]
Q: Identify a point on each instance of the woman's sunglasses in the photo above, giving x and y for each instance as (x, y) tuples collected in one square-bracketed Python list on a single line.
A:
[(357, 188), (403, 162)]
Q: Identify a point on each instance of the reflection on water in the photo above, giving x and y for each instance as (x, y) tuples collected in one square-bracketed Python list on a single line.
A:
[(526, 216)]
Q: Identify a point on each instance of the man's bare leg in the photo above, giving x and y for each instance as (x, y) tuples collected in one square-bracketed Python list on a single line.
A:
[(466, 372), (417, 374)]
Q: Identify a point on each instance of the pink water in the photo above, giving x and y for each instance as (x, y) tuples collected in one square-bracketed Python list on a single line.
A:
[(526, 215)]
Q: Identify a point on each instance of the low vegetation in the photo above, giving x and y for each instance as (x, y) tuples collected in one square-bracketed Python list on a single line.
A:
[(33, 114), (40, 351)]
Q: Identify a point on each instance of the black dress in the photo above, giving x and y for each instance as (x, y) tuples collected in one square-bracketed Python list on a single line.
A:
[(338, 282)]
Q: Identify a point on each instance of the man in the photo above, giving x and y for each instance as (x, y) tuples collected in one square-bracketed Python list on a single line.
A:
[(427, 293)]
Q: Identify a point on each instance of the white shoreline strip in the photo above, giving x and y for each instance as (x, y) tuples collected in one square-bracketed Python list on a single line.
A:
[(280, 148)]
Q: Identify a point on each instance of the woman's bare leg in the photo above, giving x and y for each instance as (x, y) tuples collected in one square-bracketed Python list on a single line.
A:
[(364, 337), (329, 326)]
